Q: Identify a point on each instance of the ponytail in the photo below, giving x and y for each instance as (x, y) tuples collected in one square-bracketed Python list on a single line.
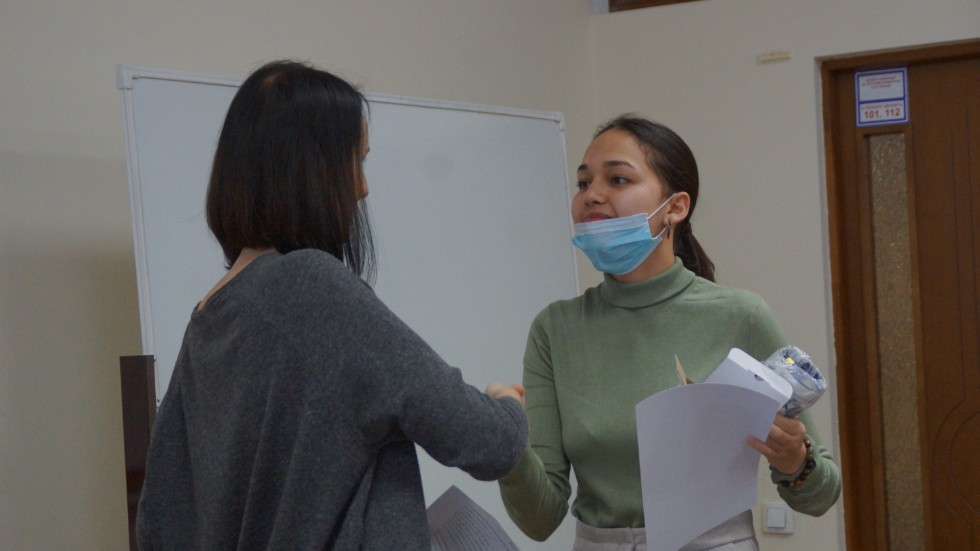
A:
[(686, 247)]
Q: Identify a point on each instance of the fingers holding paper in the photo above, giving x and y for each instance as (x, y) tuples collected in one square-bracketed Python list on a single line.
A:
[(783, 448)]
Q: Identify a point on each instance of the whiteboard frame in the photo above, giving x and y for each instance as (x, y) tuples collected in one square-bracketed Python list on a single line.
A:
[(125, 74), (124, 81)]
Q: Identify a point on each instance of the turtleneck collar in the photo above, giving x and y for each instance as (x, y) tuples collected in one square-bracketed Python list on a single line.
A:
[(648, 292)]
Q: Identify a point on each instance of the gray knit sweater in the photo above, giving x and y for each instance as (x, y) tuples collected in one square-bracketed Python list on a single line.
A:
[(292, 417)]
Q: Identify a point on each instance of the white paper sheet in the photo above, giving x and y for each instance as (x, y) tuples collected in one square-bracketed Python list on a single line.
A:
[(457, 523), (696, 468)]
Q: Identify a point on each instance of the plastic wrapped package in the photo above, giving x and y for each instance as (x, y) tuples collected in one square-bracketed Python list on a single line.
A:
[(794, 365)]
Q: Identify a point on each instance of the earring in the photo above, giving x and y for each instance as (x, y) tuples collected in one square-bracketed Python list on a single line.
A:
[(667, 233)]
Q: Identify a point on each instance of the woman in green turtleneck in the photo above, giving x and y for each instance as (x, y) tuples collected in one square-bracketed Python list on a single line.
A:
[(589, 360)]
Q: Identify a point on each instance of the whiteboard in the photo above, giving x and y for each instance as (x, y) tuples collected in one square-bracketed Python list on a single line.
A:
[(469, 206)]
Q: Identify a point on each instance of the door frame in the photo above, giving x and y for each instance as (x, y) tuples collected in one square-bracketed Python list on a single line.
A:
[(853, 288)]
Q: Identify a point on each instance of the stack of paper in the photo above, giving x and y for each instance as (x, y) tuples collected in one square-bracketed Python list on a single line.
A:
[(696, 468), (457, 523)]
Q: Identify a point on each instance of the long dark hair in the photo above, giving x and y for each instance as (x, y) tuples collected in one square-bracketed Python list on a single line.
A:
[(673, 162), (287, 170)]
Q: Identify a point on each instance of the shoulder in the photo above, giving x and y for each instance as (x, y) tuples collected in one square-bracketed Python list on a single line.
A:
[(733, 306), (308, 270), (702, 290), (567, 316), (759, 332), (307, 262), (566, 307), (306, 280)]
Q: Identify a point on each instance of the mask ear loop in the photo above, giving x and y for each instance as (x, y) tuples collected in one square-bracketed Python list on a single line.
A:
[(667, 232), (662, 205)]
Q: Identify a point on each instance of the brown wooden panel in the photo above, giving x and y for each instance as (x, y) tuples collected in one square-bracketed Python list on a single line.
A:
[(139, 410), (947, 212), (942, 141), (853, 288), (622, 5)]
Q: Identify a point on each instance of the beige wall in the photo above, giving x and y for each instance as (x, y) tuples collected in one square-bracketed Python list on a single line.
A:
[(67, 279), (756, 130)]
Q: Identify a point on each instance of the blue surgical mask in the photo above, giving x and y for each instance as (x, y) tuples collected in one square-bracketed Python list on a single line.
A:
[(618, 246)]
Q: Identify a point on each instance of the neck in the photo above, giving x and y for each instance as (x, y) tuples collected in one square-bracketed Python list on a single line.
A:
[(244, 259)]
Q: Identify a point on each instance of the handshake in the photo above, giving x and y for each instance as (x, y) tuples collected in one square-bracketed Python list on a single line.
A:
[(497, 391)]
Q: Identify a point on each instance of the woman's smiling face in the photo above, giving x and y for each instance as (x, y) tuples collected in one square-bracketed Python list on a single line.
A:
[(615, 180)]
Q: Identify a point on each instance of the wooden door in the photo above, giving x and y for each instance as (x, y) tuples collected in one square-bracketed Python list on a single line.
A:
[(904, 206)]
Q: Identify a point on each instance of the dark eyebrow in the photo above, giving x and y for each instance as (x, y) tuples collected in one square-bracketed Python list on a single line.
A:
[(614, 162), (608, 164)]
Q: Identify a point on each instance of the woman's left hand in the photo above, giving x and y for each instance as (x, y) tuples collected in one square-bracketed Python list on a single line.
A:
[(784, 447)]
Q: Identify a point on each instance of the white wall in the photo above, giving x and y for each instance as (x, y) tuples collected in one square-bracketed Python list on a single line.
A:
[(756, 129), (67, 279)]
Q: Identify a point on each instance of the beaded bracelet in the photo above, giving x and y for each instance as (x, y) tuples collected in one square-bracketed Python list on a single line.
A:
[(808, 465)]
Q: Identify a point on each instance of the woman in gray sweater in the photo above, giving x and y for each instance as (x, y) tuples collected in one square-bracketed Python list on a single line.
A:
[(297, 398)]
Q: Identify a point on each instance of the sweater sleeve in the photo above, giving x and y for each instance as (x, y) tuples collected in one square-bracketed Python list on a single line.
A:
[(536, 492), (764, 335), (402, 388), (458, 425), (822, 487), (427, 400)]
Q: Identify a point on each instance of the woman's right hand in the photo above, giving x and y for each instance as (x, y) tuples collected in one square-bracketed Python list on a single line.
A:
[(497, 391)]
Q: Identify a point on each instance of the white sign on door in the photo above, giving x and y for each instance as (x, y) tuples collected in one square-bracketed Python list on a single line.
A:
[(882, 97)]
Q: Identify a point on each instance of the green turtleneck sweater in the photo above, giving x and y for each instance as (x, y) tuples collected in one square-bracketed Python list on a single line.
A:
[(591, 359)]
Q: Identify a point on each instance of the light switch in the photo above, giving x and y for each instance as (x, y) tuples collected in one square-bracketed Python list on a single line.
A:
[(777, 518)]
